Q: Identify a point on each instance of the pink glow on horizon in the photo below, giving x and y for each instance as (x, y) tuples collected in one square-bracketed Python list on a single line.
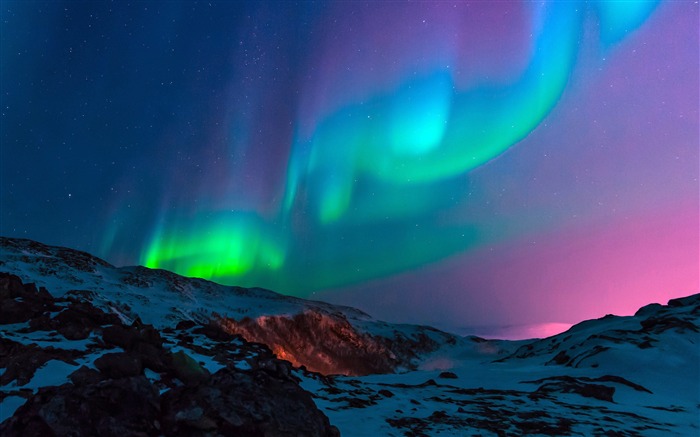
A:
[(551, 280), (523, 332), (614, 267)]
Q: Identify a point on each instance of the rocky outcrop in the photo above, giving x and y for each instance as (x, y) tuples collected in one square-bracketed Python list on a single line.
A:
[(329, 344), (21, 303), (260, 402), (111, 407), (231, 402), (324, 343), (21, 361)]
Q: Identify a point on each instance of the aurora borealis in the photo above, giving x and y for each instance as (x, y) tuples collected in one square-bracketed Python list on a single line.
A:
[(455, 163)]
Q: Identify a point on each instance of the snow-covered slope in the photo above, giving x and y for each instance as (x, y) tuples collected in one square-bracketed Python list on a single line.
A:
[(158, 297), (637, 375), (354, 342)]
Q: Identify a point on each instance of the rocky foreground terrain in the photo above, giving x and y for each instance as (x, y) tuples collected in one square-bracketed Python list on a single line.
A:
[(90, 349), (131, 379)]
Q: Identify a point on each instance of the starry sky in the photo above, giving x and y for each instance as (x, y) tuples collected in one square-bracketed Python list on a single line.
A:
[(470, 165)]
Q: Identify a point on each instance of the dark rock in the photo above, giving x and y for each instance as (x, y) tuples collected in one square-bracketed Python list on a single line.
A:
[(144, 340), (658, 325), (652, 308), (386, 393), (252, 403), (184, 325), (448, 375), (562, 427), (74, 331), (120, 335), (645, 345), (80, 295), (195, 419), (215, 332), (113, 408), (580, 386), (355, 402), (149, 335), (21, 302), (438, 416), (597, 391), (79, 260), (84, 376), (44, 294), (11, 286), (119, 365), (14, 311), (688, 301), (279, 368), (560, 358), (186, 369), (333, 390), (25, 393), (21, 361), (152, 357), (80, 319), (41, 323), (618, 380)]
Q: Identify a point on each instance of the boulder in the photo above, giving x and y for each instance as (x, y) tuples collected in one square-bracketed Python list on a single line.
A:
[(119, 335), (84, 376), (119, 365), (186, 369), (11, 286), (112, 408), (243, 403)]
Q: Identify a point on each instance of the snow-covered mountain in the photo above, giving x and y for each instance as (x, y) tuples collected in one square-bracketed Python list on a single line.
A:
[(96, 349)]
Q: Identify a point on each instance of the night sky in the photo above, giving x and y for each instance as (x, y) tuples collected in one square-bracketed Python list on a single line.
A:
[(463, 164)]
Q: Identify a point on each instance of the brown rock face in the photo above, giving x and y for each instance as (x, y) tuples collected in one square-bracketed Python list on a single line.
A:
[(322, 343)]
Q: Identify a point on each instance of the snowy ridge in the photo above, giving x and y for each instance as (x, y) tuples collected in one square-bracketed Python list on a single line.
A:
[(167, 296), (163, 298)]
